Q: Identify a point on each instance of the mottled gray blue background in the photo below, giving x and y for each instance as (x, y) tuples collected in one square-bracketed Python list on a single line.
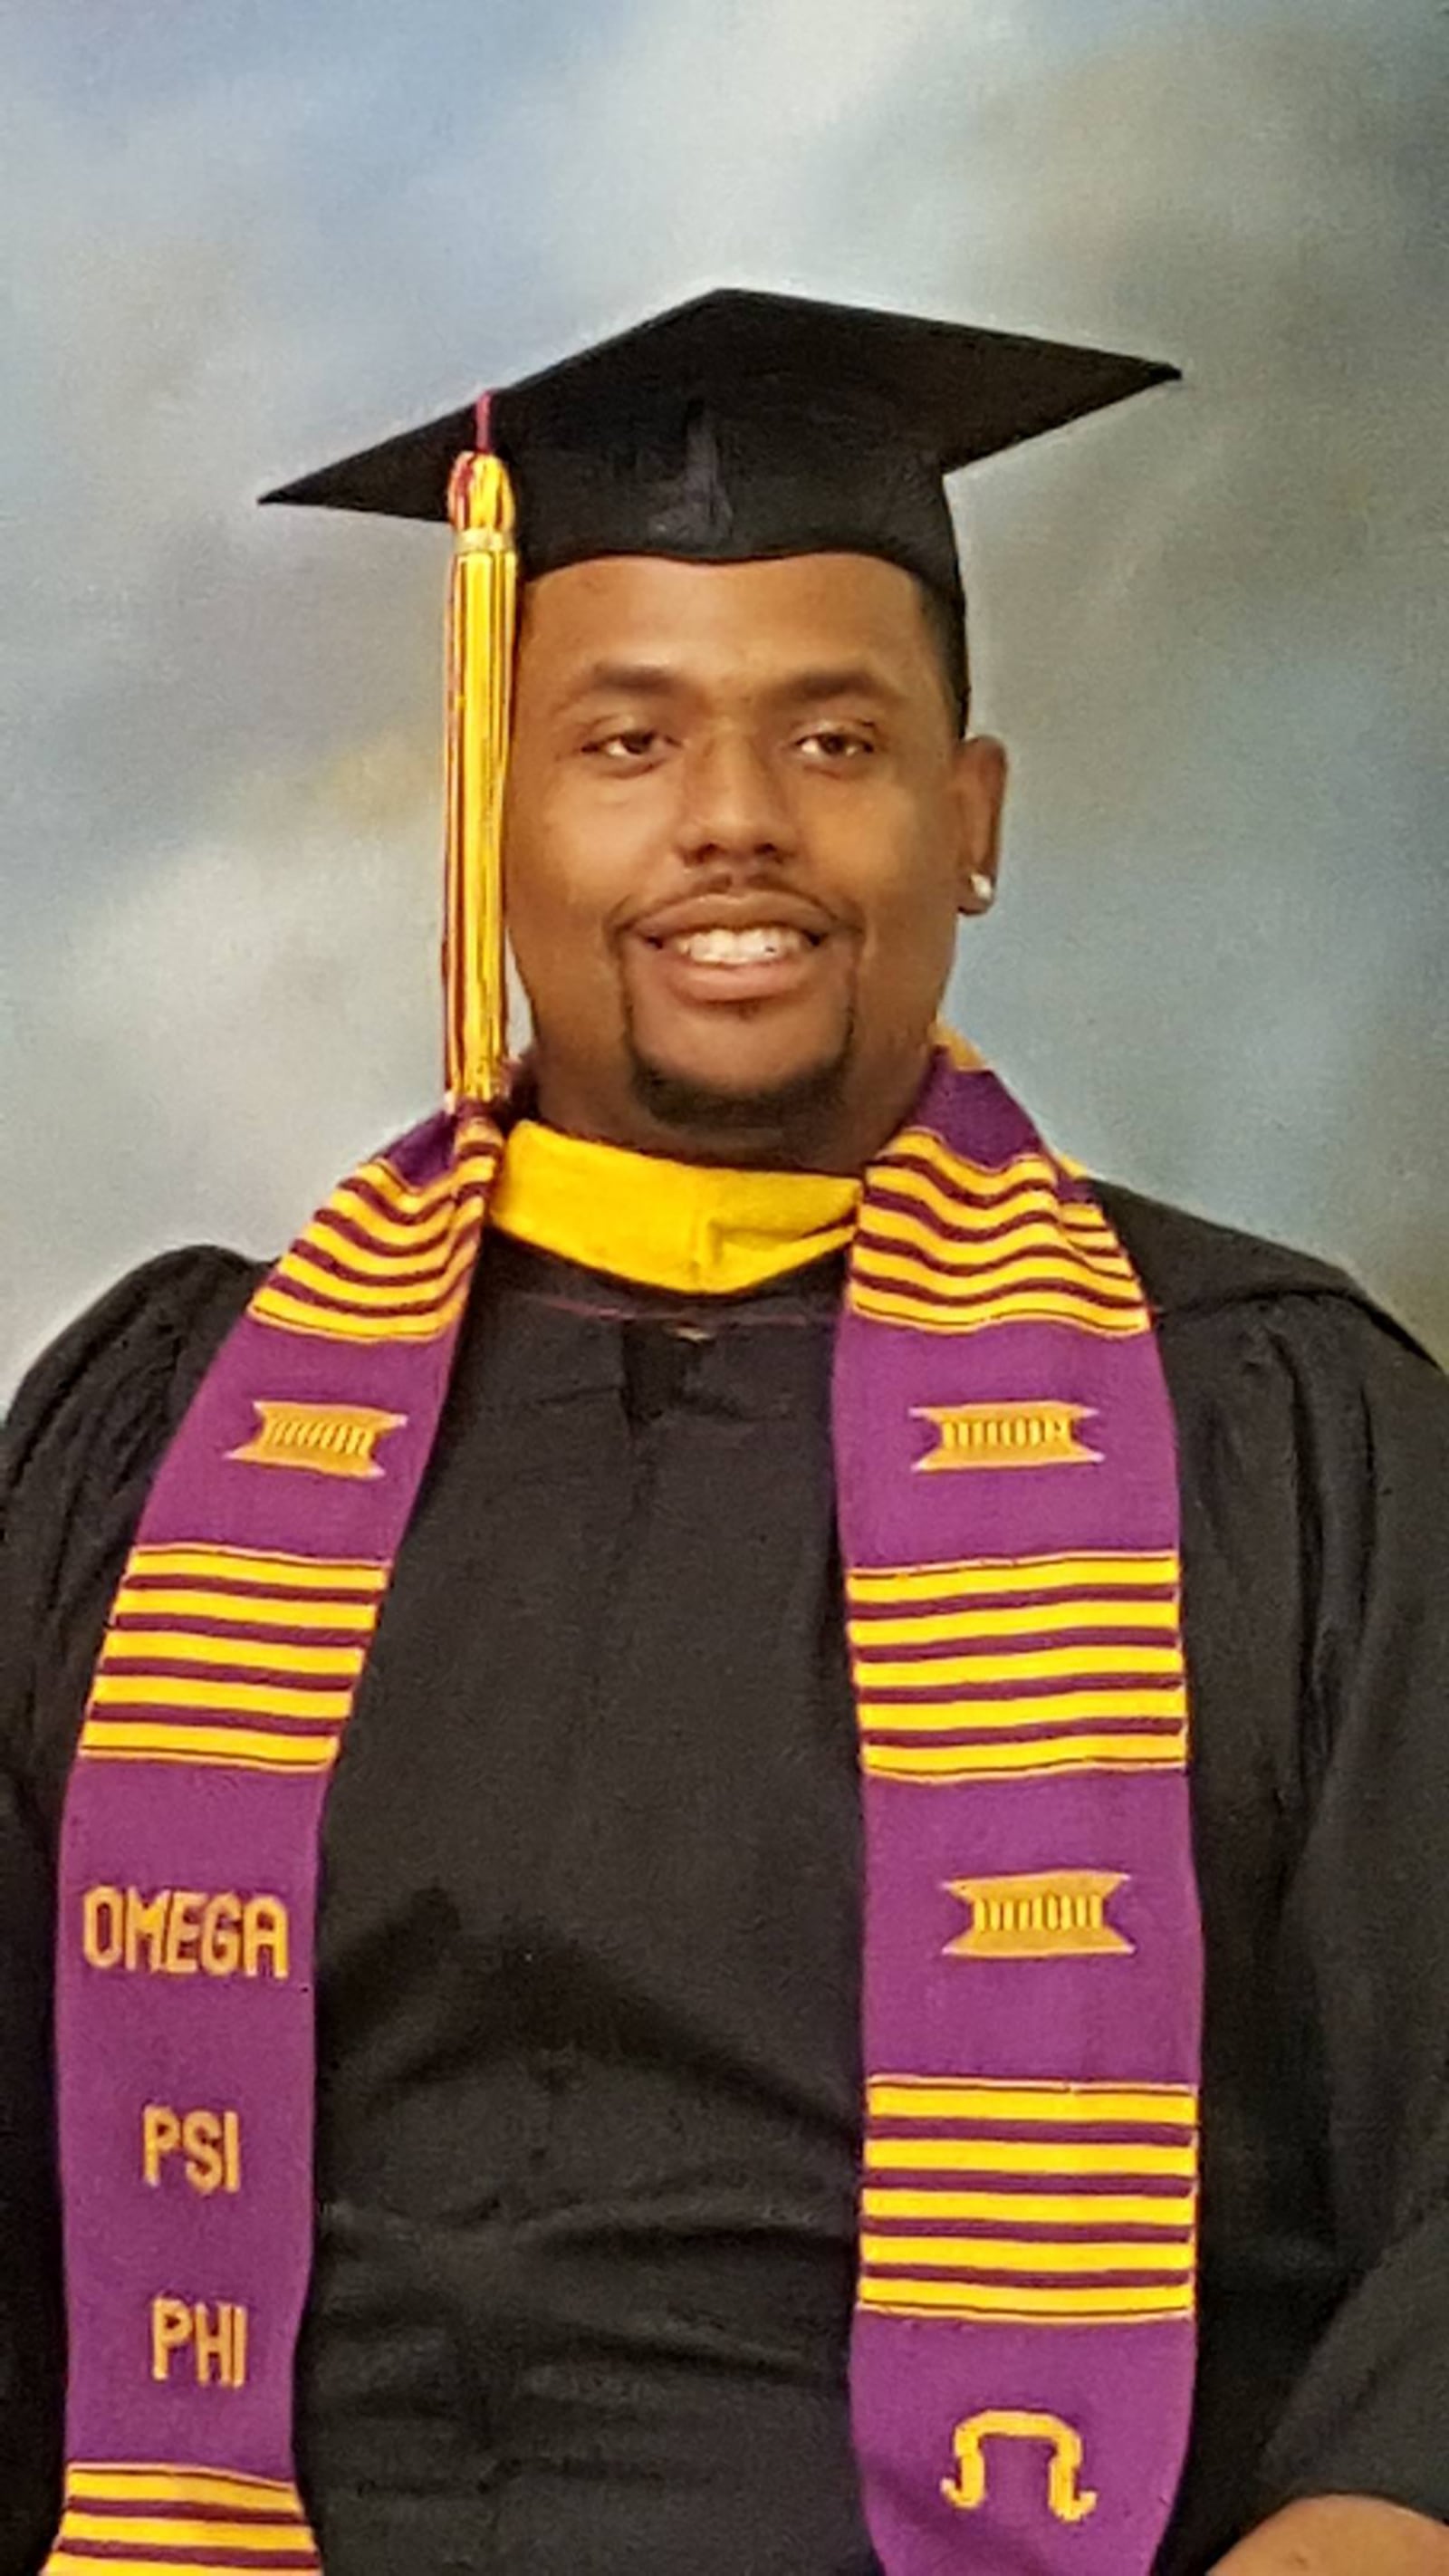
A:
[(242, 238)]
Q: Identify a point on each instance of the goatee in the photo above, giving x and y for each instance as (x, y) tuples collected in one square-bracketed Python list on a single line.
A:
[(788, 1113)]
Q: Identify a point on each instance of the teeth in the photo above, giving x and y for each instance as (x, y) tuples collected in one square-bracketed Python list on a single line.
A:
[(740, 947)]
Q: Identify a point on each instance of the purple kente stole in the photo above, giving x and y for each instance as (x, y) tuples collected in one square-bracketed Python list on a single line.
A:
[(1023, 2351)]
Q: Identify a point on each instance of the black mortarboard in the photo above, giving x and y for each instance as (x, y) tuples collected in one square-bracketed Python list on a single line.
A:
[(744, 425), (735, 427)]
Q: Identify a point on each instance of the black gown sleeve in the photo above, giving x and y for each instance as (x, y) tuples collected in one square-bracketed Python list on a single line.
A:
[(77, 1452), (30, 2367), (1366, 1920)]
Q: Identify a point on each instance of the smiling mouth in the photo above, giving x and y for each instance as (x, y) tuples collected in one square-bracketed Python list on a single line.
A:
[(761, 944)]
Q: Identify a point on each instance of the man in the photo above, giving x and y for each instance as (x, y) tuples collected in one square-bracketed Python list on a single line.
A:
[(596, 1996)]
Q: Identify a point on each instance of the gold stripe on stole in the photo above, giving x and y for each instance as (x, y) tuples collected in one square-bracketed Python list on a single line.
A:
[(942, 2162), (279, 1643), (982, 1244), (1008, 1705), (244, 2525), (396, 1271)]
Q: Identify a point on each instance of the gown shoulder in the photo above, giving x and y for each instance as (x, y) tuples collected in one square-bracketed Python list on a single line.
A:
[(1191, 1265), (83, 1438)]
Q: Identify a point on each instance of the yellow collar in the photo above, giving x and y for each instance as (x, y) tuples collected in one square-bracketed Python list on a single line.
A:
[(687, 1226)]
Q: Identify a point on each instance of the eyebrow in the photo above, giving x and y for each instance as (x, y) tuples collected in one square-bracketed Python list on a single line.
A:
[(836, 680), (801, 688), (623, 680)]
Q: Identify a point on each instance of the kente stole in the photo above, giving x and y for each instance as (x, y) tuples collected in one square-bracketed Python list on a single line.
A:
[(1022, 2356)]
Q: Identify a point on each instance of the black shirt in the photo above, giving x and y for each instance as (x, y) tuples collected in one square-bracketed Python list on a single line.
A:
[(588, 1945)]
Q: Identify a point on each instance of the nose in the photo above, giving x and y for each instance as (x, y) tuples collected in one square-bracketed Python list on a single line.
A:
[(733, 803)]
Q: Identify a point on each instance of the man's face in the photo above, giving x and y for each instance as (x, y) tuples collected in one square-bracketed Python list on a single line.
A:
[(739, 829)]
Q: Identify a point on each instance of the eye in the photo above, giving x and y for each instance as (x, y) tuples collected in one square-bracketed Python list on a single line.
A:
[(624, 749), (833, 743)]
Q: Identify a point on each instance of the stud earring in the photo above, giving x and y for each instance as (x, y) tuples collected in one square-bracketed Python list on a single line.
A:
[(982, 887)]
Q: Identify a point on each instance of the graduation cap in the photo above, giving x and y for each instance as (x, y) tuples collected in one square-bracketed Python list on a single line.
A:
[(735, 427)]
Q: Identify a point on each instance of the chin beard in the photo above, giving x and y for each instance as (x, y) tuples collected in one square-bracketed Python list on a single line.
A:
[(787, 1113)]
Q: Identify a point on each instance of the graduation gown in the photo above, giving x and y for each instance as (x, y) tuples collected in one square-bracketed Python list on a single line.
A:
[(589, 2069)]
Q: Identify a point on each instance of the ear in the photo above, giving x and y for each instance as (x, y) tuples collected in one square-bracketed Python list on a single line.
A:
[(978, 789)]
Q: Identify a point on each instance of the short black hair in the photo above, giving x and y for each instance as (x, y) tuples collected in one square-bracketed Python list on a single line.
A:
[(947, 628)]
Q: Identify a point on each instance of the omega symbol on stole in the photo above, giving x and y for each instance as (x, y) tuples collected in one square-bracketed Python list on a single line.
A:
[(1067, 2499)]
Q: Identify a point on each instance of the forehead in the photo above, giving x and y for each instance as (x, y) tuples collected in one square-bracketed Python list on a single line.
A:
[(716, 619)]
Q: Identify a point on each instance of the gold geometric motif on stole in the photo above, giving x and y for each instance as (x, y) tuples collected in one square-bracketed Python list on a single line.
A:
[(1066, 2498), (324, 1439), (1042, 1434), (1049, 1914)]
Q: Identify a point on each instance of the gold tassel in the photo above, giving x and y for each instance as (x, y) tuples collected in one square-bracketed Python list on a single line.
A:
[(482, 617)]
